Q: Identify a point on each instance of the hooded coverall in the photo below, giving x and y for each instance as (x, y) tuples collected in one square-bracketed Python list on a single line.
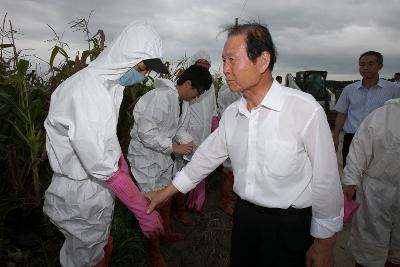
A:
[(373, 165), (157, 125), (202, 111), (225, 98), (83, 147)]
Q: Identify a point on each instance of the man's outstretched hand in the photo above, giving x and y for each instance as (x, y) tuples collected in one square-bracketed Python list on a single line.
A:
[(159, 198)]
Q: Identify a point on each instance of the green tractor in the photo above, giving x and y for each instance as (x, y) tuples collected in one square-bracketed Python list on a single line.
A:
[(314, 83)]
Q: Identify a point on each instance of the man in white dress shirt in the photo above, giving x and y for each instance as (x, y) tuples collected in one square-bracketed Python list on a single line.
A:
[(290, 201)]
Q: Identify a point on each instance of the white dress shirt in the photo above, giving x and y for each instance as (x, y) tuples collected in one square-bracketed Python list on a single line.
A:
[(282, 155)]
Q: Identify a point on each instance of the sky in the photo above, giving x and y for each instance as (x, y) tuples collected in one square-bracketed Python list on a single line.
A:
[(309, 34)]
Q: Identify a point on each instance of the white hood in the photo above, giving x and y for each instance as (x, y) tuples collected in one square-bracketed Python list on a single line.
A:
[(137, 42)]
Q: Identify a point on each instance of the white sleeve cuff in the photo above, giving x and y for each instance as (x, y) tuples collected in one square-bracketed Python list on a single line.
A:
[(325, 228), (182, 182)]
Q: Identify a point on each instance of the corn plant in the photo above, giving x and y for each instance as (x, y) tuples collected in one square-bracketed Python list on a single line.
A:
[(22, 100)]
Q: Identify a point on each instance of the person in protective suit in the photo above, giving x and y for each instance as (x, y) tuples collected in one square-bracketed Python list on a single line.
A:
[(84, 151), (203, 110), (159, 132), (225, 98), (373, 169)]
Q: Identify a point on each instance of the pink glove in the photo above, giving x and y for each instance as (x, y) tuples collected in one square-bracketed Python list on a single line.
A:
[(197, 196), (214, 123), (127, 192), (123, 166), (350, 207)]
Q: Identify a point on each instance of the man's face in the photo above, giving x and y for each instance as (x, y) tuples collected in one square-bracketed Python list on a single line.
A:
[(397, 77), (369, 67), (240, 72), (188, 93)]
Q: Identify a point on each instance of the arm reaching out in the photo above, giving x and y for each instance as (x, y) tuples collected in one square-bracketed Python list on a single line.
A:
[(127, 192)]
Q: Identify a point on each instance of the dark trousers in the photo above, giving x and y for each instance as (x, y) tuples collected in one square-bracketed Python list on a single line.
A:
[(269, 237), (346, 146)]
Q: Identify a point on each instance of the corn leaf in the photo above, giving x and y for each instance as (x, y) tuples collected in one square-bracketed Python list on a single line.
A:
[(20, 134), (6, 45), (54, 53), (22, 67)]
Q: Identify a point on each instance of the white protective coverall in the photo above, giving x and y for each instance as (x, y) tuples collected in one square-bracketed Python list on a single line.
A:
[(373, 165), (225, 98), (83, 147), (202, 108), (157, 125)]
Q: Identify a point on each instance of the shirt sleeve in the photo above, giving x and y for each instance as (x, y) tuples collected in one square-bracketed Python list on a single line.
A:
[(343, 102), (327, 195), (210, 154), (150, 115)]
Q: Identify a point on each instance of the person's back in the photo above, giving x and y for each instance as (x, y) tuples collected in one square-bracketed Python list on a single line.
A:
[(157, 121), (225, 98), (373, 171), (203, 108)]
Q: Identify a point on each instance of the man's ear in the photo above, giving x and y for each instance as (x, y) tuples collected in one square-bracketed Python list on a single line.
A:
[(263, 61), (188, 84)]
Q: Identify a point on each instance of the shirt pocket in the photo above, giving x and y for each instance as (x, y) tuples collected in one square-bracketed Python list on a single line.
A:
[(281, 159)]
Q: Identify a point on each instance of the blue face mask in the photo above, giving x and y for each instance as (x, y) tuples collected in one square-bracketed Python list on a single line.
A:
[(131, 77)]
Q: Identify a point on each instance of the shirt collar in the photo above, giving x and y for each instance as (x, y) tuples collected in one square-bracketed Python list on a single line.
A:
[(272, 99), (379, 84)]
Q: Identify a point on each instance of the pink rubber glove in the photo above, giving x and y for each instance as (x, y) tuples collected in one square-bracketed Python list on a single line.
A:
[(350, 207), (197, 196), (214, 123), (127, 192), (123, 166)]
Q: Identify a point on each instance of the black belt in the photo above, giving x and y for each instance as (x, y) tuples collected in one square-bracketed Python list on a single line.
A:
[(276, 211)]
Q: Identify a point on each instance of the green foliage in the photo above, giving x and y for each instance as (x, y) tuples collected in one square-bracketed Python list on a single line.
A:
[(24, 101), (130, 246), (22, 98)]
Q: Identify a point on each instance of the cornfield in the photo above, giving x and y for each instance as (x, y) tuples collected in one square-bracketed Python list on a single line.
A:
[(25, 172)]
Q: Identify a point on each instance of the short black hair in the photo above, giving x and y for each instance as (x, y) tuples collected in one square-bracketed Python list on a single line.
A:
[(199, 76), (378, 56), (258, 40)]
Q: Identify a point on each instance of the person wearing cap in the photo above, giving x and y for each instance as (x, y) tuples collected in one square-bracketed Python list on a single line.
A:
[(84, 151), (160, 134), (203, 110)]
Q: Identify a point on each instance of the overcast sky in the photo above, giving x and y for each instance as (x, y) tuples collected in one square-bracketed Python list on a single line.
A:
[(308, 34)]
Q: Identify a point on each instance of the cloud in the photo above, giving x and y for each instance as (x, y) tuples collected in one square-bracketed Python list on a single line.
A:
[(309, 34)]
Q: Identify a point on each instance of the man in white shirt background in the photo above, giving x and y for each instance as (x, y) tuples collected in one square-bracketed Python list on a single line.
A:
[(290, 201)]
